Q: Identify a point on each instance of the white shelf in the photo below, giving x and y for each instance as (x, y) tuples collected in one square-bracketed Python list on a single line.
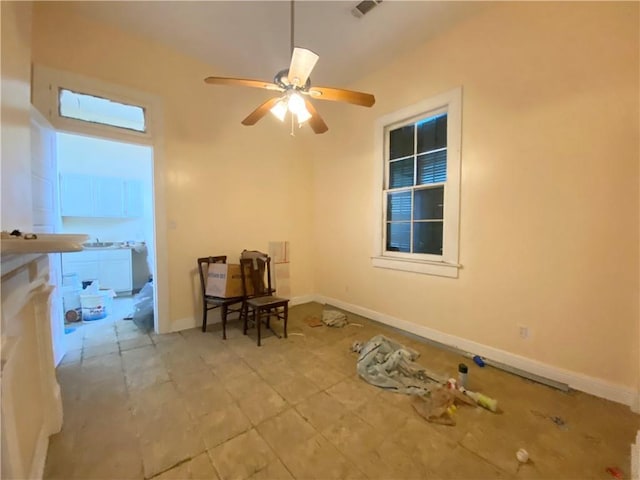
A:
[(43, 243)]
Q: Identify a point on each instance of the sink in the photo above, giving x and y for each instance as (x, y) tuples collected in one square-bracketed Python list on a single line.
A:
[(98, 244)]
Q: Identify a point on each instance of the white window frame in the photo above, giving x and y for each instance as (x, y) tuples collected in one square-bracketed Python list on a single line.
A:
[(445, 265)]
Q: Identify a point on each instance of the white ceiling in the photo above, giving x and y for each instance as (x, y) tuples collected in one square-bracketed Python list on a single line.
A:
[(251, 39)]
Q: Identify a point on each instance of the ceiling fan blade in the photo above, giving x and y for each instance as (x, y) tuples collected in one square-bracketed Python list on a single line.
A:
[(340, 95), (302, 62), (260, 112), (242, 82), (315, 122)]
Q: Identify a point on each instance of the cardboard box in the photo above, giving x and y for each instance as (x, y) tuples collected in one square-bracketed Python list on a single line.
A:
[(225, 280)]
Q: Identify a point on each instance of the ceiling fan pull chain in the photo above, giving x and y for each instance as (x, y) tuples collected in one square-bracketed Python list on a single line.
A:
[(293, 131)]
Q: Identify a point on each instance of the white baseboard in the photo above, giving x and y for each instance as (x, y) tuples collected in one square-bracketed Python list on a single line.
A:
[(578, 381), (40, 454)]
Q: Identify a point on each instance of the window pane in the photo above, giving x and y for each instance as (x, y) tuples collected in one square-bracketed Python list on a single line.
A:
[(432, 134), (399, 206), (101, 110), (401, 142), (427, 237), (398, 236), (401, 173), (432, 167), (428, 204)]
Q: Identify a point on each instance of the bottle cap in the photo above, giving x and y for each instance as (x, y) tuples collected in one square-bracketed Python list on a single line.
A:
[(462, 368)]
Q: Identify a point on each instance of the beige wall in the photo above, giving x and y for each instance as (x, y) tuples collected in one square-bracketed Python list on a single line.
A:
[(549, 206), (549, 202), (228, 187), (16, 149)]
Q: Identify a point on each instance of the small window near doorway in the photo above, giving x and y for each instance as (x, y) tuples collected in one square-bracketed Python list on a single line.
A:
[(94, 109)]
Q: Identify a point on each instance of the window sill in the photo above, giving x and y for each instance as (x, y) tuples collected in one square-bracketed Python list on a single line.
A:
[(440, 269)]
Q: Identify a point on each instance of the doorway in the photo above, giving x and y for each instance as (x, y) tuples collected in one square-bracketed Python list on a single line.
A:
[(106, 192)]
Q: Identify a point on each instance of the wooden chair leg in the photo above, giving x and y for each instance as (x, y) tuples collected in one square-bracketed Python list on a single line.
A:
[(204, 317), (223, 315), (286, 317), (257, 313), (244, 312)]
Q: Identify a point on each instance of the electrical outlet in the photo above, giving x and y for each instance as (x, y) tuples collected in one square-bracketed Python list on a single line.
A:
[(524, 331)]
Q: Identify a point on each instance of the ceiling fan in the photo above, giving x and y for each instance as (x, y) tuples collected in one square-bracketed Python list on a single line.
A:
[(294, 87)]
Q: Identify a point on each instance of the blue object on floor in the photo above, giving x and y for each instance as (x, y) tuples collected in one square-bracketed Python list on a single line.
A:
[(68, 330), (479, 361)]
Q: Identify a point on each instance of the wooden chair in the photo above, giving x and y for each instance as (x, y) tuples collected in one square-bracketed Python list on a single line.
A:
[(209, 302), (259, 298)]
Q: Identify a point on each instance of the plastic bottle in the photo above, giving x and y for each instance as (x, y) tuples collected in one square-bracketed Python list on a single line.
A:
[(462, 375), (482, 400)]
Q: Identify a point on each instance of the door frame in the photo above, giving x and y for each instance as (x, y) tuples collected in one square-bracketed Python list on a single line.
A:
[(46, 84), (56, 312)]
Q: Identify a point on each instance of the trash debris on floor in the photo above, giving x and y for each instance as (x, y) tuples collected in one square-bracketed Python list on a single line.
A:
[(559, 421), (440, 404), (482, 400), (313, 321), (334, 318), (615, 472), (522, 455), (478, 361), (143, 313), (391, 365)]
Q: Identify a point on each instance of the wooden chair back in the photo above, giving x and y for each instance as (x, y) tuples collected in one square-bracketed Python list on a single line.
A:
[(256, 272)]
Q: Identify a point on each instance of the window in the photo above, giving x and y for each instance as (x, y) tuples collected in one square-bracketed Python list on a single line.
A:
[(84, 105), (419, 172), (101, 110)]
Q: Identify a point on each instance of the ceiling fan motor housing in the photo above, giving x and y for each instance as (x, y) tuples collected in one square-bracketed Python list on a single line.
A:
[(364, 7), (282, 80)]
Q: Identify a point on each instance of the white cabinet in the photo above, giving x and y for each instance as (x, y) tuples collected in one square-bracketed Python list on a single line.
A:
[(108, 196), (111, 267), (103, 197), (115, 269), (76, 196), (133, 200)]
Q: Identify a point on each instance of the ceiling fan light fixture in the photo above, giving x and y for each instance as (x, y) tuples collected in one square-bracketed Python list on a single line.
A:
[(279, 110), (298, 108), (303, 116)]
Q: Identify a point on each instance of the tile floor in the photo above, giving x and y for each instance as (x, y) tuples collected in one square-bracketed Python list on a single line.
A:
[(190, 405)]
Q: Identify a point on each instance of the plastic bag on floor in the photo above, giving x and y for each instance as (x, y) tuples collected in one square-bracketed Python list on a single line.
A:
[(333, 318), (143, 308), (438, 405), (390, 365)]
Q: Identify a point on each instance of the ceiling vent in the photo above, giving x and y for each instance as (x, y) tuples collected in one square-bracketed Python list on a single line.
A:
[(365, 7)]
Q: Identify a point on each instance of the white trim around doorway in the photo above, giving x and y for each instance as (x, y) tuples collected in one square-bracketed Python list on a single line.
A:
[(46, 84)]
